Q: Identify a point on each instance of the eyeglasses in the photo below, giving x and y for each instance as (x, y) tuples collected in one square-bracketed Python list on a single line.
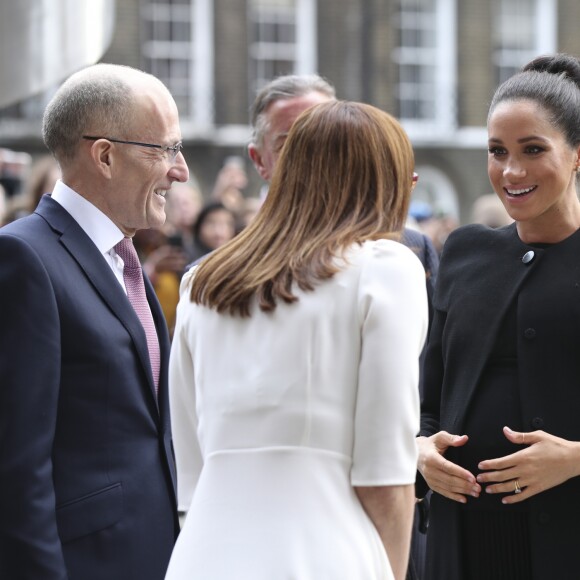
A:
[(171, 150)]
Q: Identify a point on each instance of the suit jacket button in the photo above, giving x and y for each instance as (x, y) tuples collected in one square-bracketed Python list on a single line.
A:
[(537, 422), (528, 257), (529, 333)]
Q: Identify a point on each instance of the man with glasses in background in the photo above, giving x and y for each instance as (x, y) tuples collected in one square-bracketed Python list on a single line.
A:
[(276, 106), (87, 479)]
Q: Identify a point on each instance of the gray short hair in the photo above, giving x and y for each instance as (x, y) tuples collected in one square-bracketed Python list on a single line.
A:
[(99, 98), (281, 88)]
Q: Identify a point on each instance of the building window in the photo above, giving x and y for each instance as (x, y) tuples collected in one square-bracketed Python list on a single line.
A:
[(281, 39), (178, 49), (425, 57), (523, 29)]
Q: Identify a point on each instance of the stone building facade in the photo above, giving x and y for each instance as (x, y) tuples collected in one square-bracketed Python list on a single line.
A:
[(432, 63)]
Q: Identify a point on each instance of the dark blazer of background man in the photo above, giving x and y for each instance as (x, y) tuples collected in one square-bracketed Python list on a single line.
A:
[(87, 479)]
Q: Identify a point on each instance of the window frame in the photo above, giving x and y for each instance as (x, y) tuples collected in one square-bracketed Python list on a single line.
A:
[(197, 87), (506, 61), (442, 60), (301, 52)]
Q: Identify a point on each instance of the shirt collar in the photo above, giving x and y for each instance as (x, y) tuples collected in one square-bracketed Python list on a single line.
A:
[(102, 231)]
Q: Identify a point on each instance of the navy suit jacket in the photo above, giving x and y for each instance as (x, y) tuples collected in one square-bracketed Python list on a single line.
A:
[(87, 478), (425, 251)]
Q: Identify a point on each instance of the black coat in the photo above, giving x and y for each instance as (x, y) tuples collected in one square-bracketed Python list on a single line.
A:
[(481, 274)]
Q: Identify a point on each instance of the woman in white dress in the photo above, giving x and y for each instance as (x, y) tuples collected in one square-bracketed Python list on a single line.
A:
[(294, 368)]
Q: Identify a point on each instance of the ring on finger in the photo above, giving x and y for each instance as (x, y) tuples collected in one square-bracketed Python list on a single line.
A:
[(517, 488)]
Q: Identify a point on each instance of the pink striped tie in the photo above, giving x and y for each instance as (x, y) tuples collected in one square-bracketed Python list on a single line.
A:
[(133, 277)]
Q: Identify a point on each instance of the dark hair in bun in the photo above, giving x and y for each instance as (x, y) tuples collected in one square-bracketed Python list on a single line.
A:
[(553, 83), (556, 64)]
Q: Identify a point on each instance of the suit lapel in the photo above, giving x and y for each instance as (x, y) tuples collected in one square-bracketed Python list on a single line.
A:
[(95, 267)]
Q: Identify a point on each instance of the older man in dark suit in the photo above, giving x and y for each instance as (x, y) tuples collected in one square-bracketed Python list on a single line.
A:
[(87, 479)]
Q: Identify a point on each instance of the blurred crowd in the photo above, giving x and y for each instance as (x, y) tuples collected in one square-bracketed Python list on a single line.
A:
[(199, 221), (487, 209)]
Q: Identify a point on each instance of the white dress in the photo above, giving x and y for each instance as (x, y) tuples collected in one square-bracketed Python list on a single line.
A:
[(277, 416)]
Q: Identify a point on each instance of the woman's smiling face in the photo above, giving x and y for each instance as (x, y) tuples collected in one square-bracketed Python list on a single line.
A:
[(531, 166)]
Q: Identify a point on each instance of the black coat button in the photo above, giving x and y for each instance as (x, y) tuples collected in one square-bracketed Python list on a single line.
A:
[(537, 422), (529, 333), (543, 517), (528, 257)]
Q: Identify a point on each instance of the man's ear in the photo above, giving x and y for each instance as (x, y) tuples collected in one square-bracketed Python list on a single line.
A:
[(256, 158), (101, 154)]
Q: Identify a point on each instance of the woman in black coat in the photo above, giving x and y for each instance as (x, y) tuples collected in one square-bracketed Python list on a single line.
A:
[(500, 429)]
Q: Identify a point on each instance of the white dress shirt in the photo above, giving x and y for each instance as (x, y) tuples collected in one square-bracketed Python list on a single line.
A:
[(100, 229)]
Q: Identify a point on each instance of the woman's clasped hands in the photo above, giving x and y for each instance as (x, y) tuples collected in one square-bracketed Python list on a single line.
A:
[(444, 476), (543, 462)]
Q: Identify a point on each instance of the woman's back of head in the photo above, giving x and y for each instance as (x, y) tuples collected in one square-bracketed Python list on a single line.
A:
[(344, 176), (344, 163)]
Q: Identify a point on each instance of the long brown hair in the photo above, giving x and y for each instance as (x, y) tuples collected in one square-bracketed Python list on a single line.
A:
[(344, 176)]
